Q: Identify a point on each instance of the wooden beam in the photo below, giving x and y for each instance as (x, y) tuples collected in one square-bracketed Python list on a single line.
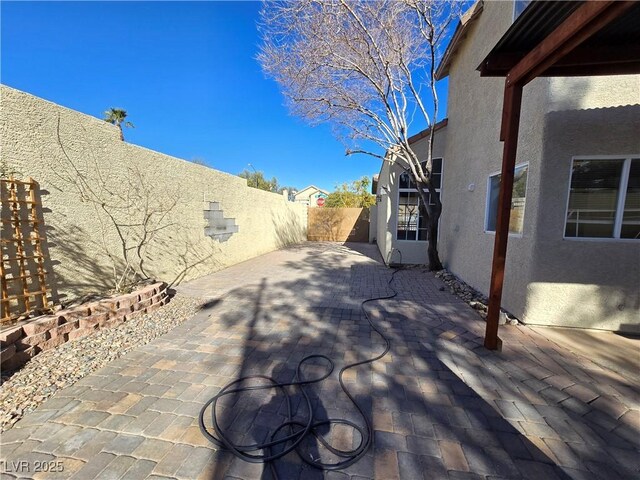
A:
[(587, 20), (584, 59), (510, 127)]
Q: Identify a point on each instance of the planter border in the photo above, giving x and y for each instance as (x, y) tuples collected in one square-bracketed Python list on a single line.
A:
[(26, 339)]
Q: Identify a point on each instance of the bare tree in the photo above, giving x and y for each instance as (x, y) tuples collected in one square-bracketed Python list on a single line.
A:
[(368, 69), (131, 214)]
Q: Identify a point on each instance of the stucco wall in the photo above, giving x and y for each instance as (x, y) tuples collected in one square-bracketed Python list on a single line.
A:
[(410, 252), (373, 223), (589, 283), (384, 234), (548, 280), (80, 235), (474, 152)]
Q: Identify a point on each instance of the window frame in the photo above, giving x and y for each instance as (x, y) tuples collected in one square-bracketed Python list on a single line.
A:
[(397, 209), (620, 201), (488, 198)]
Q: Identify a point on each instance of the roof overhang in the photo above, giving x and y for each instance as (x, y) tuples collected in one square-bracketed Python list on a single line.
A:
[(607, 44), (427, 131), (459, 35), (550, 39)]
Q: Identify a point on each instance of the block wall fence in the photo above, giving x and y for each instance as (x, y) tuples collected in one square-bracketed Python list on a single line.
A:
[(56, 146)]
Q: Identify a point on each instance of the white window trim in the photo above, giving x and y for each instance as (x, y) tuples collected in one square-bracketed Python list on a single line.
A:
[(624, 181), (439, 190), (487, 198)]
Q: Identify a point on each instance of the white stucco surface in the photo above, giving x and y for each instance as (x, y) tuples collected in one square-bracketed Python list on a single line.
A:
[(411, 252), (36, 134)]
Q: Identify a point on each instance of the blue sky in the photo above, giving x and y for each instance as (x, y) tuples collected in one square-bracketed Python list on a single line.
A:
[(185, 72)]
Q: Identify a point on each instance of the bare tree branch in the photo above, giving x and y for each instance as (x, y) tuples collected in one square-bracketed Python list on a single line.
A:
[(361, 66)]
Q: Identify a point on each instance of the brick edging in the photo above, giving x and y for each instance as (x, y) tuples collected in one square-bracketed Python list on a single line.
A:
[(21, 342)]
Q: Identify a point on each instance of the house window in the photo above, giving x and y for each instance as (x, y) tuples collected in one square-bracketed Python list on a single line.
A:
[(518, 197), (604, 199), (518, 7), (412, 223)]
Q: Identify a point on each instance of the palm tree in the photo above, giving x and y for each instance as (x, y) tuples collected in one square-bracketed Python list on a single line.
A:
[(116, 116)]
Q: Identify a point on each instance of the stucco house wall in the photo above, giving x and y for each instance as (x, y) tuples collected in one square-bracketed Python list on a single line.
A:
[(548, 280), (33, 134), (393, 250), (474, 111), (384, 234), (590, 283)]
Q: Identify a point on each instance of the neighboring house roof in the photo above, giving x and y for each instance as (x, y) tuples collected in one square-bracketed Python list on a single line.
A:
[(425, 133), (466, 20), (313, 188)]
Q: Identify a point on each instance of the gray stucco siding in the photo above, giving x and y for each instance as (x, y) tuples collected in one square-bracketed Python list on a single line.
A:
[(590, 283)]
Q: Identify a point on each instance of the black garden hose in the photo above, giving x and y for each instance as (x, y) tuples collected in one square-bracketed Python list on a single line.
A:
[(289, 435)]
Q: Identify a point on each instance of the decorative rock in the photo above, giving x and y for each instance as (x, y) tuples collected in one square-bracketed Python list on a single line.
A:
[(62, 366), (475, 299)]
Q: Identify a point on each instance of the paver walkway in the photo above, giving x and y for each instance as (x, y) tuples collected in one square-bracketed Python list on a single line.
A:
[(442, 406)]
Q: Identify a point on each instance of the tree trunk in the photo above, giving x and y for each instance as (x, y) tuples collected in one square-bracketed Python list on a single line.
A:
[(121, 132), (432, 236), (433, 216)]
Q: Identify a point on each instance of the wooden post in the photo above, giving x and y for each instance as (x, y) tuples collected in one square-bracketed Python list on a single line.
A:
[(23, 277), (5, 239), (509, 133), (21, 255), (37, 241)]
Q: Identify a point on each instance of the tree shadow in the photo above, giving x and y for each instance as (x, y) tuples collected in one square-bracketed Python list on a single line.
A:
[(88, 276), (422, 401), (338, 224), (289, 228), (267, 349)]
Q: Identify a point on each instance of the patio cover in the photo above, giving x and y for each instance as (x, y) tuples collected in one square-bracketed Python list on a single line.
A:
[(551, 39)]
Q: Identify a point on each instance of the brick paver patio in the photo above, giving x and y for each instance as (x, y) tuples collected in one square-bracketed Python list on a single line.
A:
[(442, 406)]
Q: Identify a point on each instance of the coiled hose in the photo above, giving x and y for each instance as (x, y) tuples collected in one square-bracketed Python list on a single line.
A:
[(289, 435)]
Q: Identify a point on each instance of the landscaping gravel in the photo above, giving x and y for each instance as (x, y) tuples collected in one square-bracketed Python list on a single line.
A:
[(61, 367), (475, 299)]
